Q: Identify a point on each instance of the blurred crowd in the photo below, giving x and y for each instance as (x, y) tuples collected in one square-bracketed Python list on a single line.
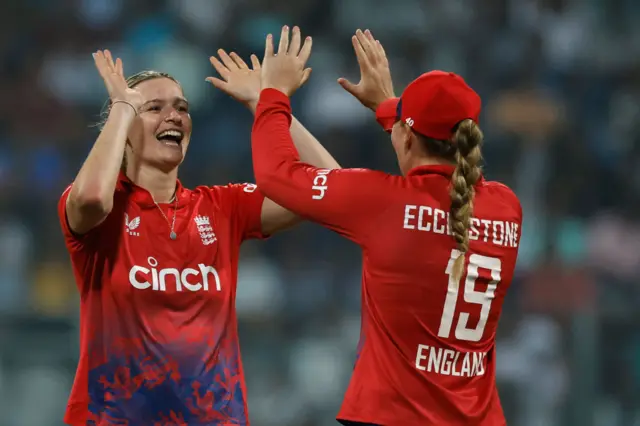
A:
[(560, 81)]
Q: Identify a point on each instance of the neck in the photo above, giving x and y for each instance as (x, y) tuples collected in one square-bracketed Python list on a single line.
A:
[(426, 161), (161, 185)]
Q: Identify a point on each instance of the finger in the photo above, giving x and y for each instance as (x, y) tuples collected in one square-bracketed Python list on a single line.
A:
[(268, 46), (294, 47), (364, 40), (101, 64), (283, 47), (119, 67), (305, 76), (110, 63), (381, 50), (226, 60), (217, 83), (305, 52), (255, 62), (361, 56), (347, 85), (219, 67), (239, 61), (367, 46)]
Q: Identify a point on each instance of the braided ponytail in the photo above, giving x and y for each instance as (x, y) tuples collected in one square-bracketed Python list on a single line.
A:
[(468, 141)]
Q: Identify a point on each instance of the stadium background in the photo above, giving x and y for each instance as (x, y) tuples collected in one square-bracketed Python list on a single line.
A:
[(560, 81)]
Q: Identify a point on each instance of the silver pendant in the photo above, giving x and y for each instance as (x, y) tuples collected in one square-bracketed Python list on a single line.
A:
[(173, 235)]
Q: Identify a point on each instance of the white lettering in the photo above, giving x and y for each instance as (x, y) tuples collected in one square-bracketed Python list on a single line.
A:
[(189, 278), (421, 356), (429, 219), (423, 225), (319, 184), (408, 216), (439, 229), (449, 362)]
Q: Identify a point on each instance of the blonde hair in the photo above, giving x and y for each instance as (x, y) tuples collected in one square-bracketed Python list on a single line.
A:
[(464, 149), (468, 156)]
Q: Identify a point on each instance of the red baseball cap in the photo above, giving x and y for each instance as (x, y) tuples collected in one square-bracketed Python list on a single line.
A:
[(432, 105)]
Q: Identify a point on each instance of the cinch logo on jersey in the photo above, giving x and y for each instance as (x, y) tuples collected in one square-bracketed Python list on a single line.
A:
[(429, 219), (319, 184), (450, 363), (191, 279)]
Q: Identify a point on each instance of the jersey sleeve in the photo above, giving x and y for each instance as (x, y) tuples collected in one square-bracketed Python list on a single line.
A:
[(344, 200), (73, 241), (247, 203)]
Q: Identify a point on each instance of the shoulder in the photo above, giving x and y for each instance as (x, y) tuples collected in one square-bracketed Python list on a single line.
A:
[(502, 194), (222, 191), (228, 196)]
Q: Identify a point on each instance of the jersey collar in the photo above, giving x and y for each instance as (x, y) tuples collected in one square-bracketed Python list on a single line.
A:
[(439, 169), (143, 197)]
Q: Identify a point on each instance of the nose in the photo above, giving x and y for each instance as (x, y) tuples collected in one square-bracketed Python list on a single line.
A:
[(173, 117)]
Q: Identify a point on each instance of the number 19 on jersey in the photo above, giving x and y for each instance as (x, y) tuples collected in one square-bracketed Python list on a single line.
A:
[(471, 295)]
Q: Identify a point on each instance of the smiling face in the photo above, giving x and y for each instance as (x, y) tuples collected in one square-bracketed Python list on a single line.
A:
[(160, 135)]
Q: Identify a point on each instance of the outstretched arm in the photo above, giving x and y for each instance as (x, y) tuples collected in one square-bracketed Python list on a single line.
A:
[(91, 196), (346, 201), (243, 84)]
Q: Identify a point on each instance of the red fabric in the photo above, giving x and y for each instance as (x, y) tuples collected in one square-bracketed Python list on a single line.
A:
[(158, 340), (432, 105), (411, 313)]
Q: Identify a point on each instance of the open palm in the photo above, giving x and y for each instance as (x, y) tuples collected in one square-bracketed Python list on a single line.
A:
[(238, 80), (112, 74)]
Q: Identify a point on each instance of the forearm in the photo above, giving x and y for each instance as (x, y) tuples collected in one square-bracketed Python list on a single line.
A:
[(96, 181), (309, 148)]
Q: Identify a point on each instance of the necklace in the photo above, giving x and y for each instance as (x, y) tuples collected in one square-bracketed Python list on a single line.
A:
[(171, 224)]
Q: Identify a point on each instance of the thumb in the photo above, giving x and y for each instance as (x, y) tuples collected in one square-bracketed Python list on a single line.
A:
[(348, 86), (305, 76)]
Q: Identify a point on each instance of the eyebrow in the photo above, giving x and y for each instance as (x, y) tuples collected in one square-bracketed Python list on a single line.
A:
[(178, 99)]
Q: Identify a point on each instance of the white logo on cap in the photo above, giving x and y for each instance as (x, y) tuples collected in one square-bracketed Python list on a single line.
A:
[(409, 121)]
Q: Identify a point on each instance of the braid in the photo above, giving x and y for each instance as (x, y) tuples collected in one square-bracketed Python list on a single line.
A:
[(468, 141)]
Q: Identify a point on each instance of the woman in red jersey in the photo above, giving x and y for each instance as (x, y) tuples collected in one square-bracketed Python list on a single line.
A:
[(156, 263), (439, 243)]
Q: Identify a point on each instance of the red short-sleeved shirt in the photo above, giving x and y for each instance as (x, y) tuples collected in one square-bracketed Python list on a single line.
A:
[(158, 333)]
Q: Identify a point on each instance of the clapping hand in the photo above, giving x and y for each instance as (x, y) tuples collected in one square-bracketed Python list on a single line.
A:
[(375, 84), (285, 70), (238, 80), (113, 75)]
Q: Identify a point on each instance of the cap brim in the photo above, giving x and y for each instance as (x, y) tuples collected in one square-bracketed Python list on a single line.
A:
[(387, 113)]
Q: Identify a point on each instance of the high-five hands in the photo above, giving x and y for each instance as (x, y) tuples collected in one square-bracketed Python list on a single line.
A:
[(238, 80), (375, 84), (285, 70), (112, 74)]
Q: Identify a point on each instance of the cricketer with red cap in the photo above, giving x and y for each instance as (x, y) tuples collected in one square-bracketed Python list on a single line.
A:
[(439, 243)]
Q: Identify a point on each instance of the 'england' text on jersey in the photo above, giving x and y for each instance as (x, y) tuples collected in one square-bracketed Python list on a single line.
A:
[(429, 219), (449, 362)]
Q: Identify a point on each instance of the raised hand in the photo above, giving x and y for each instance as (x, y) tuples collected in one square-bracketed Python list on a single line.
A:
[(238, 80), (113, 75), (375, 84), (285, 70)]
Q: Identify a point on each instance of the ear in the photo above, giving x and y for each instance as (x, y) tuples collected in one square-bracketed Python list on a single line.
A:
[(409, 138)]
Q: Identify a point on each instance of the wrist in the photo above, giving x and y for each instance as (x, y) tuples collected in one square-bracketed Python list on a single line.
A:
[(124, 106), (252, 105)]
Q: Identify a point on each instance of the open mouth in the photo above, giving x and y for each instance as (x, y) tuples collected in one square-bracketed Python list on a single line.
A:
[(170, 137)]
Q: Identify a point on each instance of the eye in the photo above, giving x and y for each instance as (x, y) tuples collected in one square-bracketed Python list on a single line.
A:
[(154, 108), (183, 108)]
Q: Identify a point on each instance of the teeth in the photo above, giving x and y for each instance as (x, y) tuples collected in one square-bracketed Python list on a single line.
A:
[(174, 133)]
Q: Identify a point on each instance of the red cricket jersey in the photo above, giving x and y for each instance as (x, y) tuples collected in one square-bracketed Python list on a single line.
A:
[(427, 350), (158, 333)]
